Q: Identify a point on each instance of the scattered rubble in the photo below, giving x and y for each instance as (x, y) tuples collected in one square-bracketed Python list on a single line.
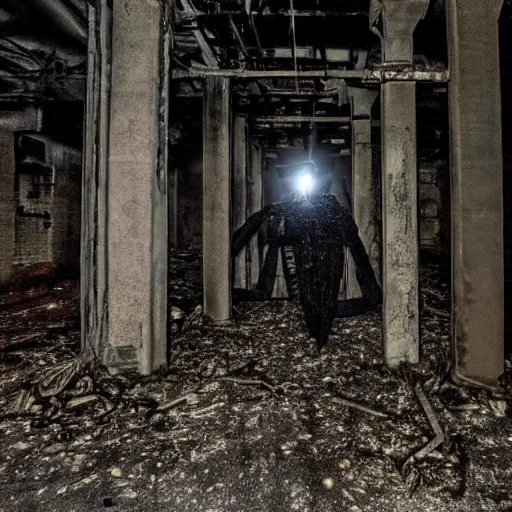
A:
[(250, 417)]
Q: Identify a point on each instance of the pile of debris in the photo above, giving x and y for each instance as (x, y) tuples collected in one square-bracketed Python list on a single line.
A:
[(185, 276), (250, 417)]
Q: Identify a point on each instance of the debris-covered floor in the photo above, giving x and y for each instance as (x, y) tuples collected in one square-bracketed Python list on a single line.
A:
[(248, 417)]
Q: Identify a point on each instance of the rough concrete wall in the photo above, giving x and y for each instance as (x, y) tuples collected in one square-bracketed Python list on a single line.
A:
[(7, 166), (65, 209)]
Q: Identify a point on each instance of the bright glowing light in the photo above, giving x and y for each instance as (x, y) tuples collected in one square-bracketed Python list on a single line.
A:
[(305, 183)]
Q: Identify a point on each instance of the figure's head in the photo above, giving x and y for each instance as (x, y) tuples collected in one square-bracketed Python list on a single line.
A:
[(311, 182)]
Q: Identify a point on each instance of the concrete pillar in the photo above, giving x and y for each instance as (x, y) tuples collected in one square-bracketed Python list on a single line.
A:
[(399, 19), (93, 255), (477, 190), (399, 223), (217, 200), (240, 150), (124, 239), (399, 188), (363, 193), (7, 205), (254, 204)]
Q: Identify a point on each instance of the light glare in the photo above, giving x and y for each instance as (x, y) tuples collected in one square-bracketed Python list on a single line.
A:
[(305, 183)]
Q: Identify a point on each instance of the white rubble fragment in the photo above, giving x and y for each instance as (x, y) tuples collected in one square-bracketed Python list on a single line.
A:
[(129, 494), (55, 448), (328, 483), (78, 460), (116, 472), (345, 464), (498, 407), (176, 314), (85, 481), (20, 445)]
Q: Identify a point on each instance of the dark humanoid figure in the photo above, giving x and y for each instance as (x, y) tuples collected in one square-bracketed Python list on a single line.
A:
[(318, 228)]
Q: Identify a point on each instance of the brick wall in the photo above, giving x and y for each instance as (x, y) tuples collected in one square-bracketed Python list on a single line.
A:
[(33, 234), (33, 241), (53, 196)]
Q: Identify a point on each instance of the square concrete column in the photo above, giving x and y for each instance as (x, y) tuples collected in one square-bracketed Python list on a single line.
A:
[(124, 223), (217, 200), (477, 189), (400, 259), (399, 20), (240, 193), (399, 223), (363, 193)]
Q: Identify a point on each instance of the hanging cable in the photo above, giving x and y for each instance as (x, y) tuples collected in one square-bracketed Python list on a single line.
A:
[(312, 132), (294, 46)]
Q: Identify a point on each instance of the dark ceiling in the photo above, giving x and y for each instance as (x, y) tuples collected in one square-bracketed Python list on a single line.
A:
[(43, 44)]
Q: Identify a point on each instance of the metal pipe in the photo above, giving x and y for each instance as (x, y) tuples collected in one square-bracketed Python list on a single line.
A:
[(278, 13), (301, 119), (279, 73), (365, 75)]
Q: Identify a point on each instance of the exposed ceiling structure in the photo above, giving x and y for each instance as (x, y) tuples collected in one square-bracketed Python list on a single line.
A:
[(257, 40), (43, 47), (43, 42)]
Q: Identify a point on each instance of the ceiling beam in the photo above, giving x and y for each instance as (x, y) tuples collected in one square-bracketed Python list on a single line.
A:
[(279, 12), (301, 119), (268, 13), (408, 74)]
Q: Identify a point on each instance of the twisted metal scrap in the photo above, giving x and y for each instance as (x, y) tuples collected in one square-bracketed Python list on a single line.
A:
[(56, 379), (436, 427)]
